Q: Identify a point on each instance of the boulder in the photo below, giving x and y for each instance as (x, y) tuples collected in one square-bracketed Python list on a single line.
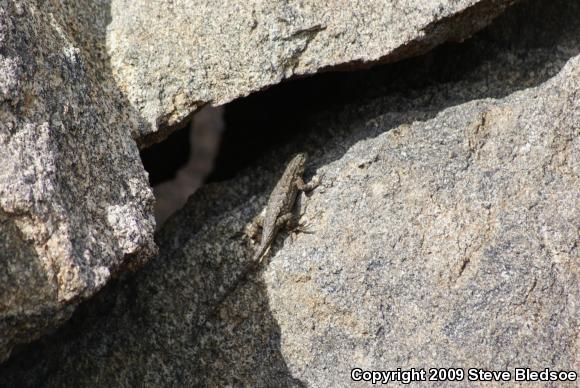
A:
[(444, 234), (75, 204), (172, 58)]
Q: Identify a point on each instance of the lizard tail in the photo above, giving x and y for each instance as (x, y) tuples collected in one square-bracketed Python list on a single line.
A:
[(259, 255)]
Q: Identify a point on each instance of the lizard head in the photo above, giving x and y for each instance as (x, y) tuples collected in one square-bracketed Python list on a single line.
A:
[(298, 163)]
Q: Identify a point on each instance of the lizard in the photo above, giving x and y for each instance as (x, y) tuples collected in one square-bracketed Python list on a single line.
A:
[(281, 201), (278, 212)]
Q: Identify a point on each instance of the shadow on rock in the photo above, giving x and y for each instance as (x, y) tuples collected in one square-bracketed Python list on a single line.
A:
[(190, 318)]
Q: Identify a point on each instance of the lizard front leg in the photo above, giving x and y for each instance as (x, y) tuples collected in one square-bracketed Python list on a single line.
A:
[(307, 186)]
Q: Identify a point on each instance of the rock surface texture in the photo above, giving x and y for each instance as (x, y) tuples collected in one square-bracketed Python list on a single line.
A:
[(171, 58), (80, 82), (444, 234), (75, 205)]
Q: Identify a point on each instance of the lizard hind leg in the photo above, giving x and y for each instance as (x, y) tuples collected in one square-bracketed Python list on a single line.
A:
[(285, 220), (294, 226), (253, 230), (302, 227)]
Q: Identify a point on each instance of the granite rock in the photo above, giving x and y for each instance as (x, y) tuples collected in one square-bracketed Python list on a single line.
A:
[(75, 205), (80, 82), (444, 234), (172, 57)]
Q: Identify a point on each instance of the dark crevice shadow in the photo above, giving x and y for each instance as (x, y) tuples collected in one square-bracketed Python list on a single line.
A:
[(162, 160), (165, 324)]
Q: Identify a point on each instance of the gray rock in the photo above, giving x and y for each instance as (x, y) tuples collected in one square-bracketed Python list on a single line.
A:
[(444, 234), (171, 59), (75, 205)]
